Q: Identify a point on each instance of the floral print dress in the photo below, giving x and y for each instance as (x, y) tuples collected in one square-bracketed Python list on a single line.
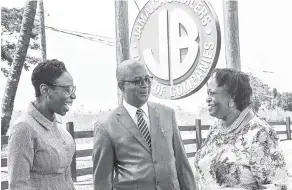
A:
[(247, 158)]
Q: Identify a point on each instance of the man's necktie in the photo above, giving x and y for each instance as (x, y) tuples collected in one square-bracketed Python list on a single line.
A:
[(142, 125)]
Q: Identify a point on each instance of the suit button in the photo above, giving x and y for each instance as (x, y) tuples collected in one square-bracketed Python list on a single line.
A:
[(158, 183), (155, 162)]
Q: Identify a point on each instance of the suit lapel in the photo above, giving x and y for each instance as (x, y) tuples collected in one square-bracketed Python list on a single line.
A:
[(153, 119), (125, 119), (155, 127)]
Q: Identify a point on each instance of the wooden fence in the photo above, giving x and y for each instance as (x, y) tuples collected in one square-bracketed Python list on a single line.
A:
[(197, 139)]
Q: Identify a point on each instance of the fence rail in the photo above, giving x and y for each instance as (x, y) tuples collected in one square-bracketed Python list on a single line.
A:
[(197, 139)]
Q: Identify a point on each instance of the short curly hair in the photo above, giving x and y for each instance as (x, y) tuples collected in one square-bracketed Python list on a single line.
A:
[(236, 84), (46, 72)]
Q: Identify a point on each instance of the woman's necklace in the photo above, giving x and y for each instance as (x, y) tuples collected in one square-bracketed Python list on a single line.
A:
[(236, 123)]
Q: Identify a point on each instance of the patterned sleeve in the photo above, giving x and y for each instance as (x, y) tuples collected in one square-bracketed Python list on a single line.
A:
[(20, 156), (267, 161)]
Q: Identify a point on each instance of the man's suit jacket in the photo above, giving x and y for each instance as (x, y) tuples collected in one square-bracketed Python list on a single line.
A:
[(122, 160)]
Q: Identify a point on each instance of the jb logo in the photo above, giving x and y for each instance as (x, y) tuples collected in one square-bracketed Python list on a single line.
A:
[(179, 41), (170, 43)]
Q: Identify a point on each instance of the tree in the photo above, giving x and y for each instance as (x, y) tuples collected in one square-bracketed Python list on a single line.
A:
[(286, 101), (275, 92), (17, 64), (11, 23), (262, 94)]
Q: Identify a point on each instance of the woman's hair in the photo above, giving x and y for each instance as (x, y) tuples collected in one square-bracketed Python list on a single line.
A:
[(46, 72), (236, 84)]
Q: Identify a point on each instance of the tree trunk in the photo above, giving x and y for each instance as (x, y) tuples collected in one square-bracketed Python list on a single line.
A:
[(43, 30), (17, 65)]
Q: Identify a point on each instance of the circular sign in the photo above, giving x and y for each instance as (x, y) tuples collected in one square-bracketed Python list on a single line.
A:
[(179, 41)]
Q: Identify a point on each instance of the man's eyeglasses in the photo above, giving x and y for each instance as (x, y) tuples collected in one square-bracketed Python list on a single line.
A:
[(69, 88), (140, 81)]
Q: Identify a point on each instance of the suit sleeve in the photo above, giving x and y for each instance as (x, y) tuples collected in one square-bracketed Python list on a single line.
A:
[(103, 159), (184, 171), (20, 157)]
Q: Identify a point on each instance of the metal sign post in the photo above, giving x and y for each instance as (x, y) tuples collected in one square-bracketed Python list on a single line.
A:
[(122, 36), (231, 31)]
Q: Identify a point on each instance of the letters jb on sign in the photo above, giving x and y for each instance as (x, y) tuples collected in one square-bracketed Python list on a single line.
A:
[(179, 41)]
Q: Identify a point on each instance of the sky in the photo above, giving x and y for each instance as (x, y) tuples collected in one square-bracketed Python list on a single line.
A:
[(265, 45)]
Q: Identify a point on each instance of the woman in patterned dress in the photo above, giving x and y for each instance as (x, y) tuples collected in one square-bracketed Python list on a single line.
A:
[(40, 150), (241, 151)]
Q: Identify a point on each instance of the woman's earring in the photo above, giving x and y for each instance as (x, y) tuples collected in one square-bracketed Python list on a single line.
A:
[(231, 104)]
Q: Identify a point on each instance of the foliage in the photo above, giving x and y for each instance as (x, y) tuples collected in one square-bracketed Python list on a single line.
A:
[(262, 94), (267, 98), (10, 23), (275, 92), (286, 101)]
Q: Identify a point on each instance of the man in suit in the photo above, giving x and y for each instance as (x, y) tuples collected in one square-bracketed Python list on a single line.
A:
[(139, 145)]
